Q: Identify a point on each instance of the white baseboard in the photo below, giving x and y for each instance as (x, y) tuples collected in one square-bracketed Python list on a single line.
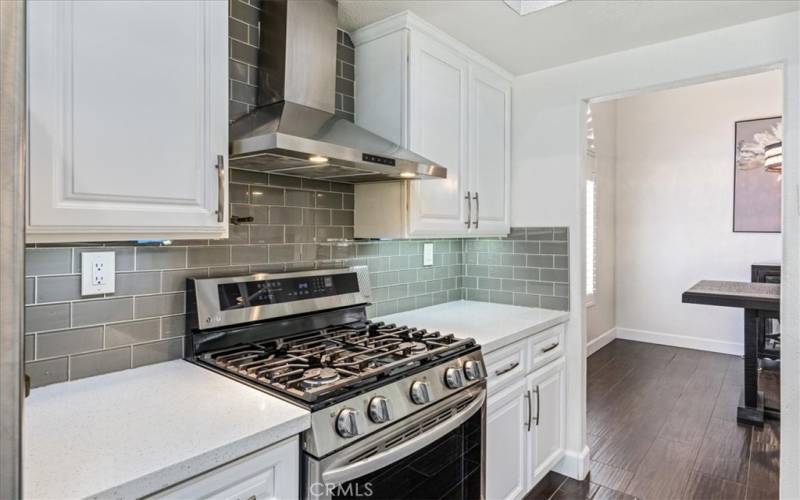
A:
[(574, 464), (671, 339), (600, 341)]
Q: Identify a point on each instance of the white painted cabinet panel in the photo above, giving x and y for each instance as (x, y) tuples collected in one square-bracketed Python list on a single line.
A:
[(451, 106), (273, 473), (506, 438), (548, 393), (490, 151), (438, 131), (128, 117)]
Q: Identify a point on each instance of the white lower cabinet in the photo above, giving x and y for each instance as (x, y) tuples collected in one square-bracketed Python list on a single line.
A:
[(272, 473), (525, 429), (546, 440), (506, 443)]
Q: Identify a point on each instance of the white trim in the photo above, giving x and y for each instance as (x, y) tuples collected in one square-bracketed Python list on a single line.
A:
[(674, 340), (409, 20), (574, 464), (600, 341)]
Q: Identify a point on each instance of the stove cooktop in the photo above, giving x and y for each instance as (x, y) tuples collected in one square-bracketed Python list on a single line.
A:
[(326, 363)]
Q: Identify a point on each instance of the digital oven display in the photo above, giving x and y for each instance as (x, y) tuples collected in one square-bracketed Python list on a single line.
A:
[(277, 291)]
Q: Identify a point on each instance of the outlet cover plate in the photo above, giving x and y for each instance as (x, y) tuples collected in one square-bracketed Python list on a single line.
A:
[(97, 273), (427, 254)]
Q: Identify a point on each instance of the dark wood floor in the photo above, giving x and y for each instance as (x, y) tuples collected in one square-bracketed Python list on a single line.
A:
[(662, 425)]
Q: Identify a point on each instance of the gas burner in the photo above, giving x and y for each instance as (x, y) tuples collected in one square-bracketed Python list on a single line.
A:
[(321, 363), (316, 377), (412, 347)]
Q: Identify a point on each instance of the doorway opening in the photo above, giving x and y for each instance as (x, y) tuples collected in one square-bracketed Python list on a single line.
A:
[(683, 185)]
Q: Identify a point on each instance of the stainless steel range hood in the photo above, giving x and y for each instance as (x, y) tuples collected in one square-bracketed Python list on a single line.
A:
[(294, 130)]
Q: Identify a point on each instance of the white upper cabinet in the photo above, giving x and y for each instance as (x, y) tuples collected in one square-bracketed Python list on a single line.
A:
[(490, 151), (424, 90), (438, 131), (128, 120)]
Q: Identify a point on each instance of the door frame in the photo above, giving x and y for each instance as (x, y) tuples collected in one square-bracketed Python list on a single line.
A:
[(13, 156)]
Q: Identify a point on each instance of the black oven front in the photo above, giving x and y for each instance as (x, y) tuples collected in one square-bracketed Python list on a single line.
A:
[(436, 454)]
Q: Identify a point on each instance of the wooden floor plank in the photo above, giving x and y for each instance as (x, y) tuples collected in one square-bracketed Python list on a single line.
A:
[(702, 487), (546, 487), (727, 402), (664, 472), (624, 450), (575, 490), (762, 477), (609, 476), (604, 493), (725, 451)]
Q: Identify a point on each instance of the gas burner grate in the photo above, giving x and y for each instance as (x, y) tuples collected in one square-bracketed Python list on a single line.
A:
[(317, 364)]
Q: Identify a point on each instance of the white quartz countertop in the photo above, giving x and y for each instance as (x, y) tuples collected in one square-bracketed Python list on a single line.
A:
[(134, 432), (491, 325)]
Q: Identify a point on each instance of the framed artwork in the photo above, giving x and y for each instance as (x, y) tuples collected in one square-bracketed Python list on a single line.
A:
[(758, 169)]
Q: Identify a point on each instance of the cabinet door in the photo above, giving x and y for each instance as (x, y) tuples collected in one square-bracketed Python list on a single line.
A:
[(548, 391), (490, 151), (273, 473), (437, 130), (128, 114), (506, 443)]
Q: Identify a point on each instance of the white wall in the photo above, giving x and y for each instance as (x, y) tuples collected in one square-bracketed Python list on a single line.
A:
[(548, 113), (601, 315), (675, 209)]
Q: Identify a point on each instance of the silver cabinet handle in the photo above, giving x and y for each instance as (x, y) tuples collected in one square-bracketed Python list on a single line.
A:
[(507, 368), (550, 347), (530, 410), (221, 188), (538, 405), (468, 222), (477, 209)]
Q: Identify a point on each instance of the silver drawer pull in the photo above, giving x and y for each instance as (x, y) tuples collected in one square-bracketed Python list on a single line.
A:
[(507, 368), (550, 347), (220, 166), (468, 222)]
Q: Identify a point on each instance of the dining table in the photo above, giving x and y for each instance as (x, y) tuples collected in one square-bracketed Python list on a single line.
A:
[(760, 301)]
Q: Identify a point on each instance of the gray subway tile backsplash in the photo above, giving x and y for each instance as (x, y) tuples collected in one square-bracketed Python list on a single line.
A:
[(99, 362), (156, 352), (529, 268), (132, 332), (100, 311)]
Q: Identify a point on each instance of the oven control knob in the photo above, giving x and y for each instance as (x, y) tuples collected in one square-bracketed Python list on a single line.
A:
[(348, 423), (473, 370), (453, 377), (420, 392), (379, 410)]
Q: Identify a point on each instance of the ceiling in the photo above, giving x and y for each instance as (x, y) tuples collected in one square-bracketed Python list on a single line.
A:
[(565, 33)]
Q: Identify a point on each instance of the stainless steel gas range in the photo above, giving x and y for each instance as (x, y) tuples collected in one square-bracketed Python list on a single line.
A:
[(396, 412)]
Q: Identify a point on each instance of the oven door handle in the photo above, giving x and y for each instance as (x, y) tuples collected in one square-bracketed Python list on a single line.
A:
[(352, 471)]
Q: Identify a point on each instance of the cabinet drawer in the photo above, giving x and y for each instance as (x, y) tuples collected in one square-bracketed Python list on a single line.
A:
[(546, 346), (269, 474), (505, 365)]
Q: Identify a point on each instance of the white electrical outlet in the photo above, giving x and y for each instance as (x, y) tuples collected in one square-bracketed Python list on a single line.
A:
[(97, 273), (427, 254)]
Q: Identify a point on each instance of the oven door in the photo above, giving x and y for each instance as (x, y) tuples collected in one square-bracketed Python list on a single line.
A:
[(436, 453)]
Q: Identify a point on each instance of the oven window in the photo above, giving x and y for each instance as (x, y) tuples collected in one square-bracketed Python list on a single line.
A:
[(449, 468)]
